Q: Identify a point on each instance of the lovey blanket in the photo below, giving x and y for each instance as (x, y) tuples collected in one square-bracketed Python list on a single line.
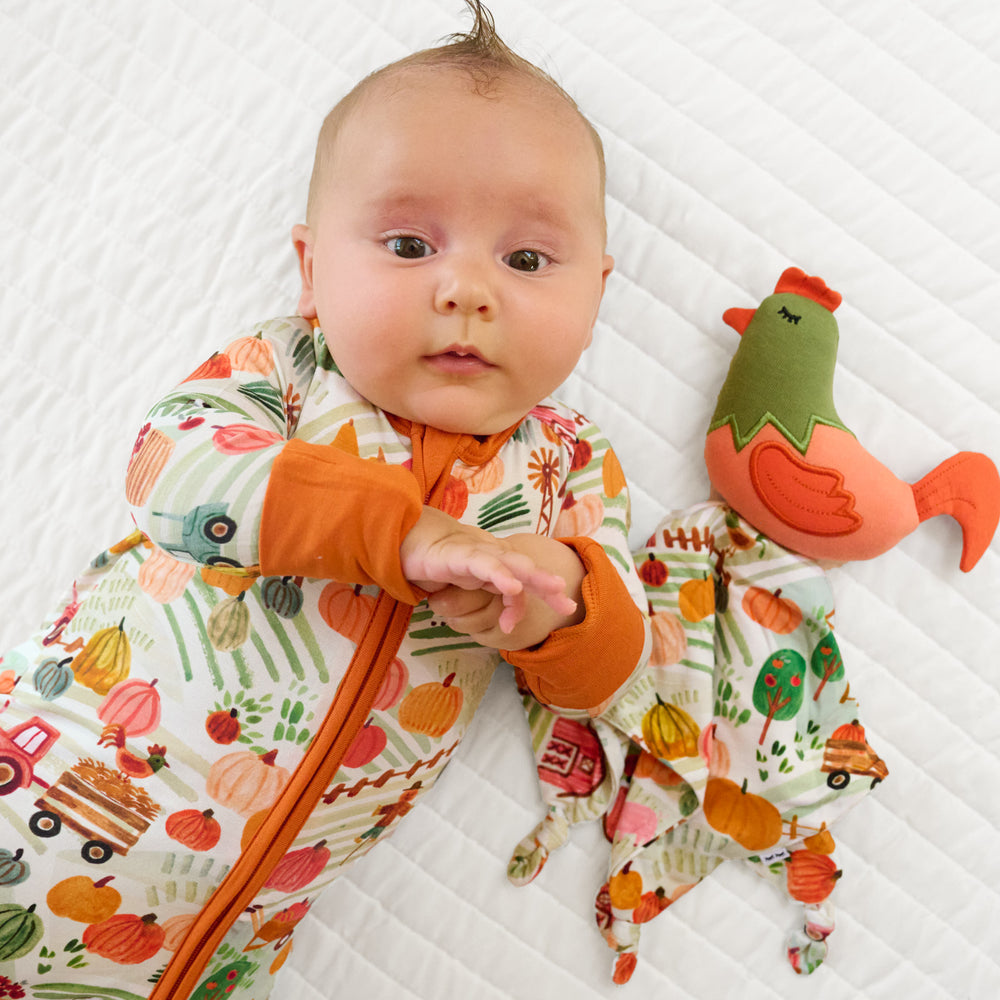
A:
[(741, 740)]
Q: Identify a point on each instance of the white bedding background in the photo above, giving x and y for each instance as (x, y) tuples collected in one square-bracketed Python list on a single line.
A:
[(153, 157)]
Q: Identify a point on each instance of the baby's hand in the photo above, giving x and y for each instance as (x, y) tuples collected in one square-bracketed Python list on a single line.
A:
[(441, 554)]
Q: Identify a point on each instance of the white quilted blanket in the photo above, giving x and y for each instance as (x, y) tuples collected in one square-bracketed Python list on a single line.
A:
[(153, 157)]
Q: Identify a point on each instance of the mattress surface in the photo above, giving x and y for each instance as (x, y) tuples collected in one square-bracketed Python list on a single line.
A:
[(153, 158)]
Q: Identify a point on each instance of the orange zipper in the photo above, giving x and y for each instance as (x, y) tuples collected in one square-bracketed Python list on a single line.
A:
[(346, 715)]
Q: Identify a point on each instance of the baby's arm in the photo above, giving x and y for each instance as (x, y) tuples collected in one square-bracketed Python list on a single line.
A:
[(503, 592)]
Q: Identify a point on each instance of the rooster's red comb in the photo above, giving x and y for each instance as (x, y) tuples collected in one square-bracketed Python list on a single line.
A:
[(797, 282)]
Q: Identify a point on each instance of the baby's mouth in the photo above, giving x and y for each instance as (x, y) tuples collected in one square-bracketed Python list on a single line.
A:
[(458, 360)]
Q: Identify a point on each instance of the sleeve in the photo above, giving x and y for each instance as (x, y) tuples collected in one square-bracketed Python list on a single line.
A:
[(218, 477), (585, 666)]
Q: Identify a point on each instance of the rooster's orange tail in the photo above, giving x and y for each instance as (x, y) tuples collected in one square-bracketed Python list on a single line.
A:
[(967, 487)]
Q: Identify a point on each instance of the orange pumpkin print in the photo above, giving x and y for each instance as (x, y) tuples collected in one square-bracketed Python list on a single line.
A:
[(774, 612), (696, 599), (432, 708), (125, 938), (749, 819), (346, 609)]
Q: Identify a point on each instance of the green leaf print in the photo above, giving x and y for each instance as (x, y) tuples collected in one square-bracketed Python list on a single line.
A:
[(262, 392), (508, 506)]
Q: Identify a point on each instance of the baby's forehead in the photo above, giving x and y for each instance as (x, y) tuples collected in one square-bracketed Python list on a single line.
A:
[(417, 89)]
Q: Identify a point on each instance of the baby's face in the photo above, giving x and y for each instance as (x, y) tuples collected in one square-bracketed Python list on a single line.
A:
[(455, 260)]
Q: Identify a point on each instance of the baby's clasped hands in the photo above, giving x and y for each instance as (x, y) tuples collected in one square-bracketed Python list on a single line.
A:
[(504, 592)]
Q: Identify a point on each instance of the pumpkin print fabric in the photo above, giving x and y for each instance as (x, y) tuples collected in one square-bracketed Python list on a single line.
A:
[(740, 740), (166, 702)]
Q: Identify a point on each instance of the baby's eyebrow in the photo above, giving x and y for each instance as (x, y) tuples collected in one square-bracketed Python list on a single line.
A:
[(395, 202)]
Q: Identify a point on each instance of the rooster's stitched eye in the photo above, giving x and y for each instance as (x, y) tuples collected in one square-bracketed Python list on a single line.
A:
[(787, 316)]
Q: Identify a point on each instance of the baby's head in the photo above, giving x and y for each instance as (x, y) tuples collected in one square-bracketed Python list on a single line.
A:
[(454, 247)]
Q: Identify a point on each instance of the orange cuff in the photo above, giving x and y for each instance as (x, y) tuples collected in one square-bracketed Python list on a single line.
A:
[(584, 665), (335, 516)]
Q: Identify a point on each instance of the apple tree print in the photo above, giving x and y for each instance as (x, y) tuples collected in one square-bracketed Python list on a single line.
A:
[(778, 691)]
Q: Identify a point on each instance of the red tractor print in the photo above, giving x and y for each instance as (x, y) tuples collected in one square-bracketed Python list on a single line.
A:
[(21, 748)]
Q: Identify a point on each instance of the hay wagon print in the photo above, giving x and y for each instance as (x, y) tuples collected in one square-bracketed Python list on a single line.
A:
[(203, 529), (98, 804), (848, 753)]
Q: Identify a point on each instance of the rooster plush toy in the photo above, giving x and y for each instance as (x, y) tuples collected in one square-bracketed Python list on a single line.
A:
[(778, 453), (741, 740)]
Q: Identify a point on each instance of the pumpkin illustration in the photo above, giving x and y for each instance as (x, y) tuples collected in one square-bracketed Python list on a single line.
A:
[(245, 781), (105, 659), (635, 818), (749, 819), (483, 478), (163, 577), (774, 612), (579, 518), (282, 595), (231, 580), (653, 572), (714, 752), (820, 842), (298, 868), (625, 889), (228, 624), (251, 354), (346, 609), (366, 746), (134, 705), (125, 938), (13, 870), (612, 474), (252, 825), (20, 930), (625, 964), (670, 732), (81, 898), (52, 677), (455, 498), (583, 452), (432, 708), (151, 454), (175, 929), (217, 366), (346, 439), (648, 766), (811, 877), (696, 598), (853, 732), (393, 685), (197, 829), (238, 439), (651, 905), (669, 639), (223, 726)]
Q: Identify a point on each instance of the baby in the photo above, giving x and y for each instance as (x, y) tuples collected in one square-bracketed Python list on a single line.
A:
[(343, 518)]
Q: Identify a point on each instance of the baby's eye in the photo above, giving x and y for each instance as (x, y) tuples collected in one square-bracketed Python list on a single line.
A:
[(409, 247), (526, 260)]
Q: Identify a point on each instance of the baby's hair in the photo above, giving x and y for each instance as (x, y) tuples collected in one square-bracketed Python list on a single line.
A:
[(482, 53)]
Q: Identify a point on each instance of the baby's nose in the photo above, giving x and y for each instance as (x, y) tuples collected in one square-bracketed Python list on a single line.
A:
[(466, 289)]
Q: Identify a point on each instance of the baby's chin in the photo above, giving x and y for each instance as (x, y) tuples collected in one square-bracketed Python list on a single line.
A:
[(454, 418)]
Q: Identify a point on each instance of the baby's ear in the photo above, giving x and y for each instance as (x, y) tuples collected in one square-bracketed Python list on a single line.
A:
[(302, 238)]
